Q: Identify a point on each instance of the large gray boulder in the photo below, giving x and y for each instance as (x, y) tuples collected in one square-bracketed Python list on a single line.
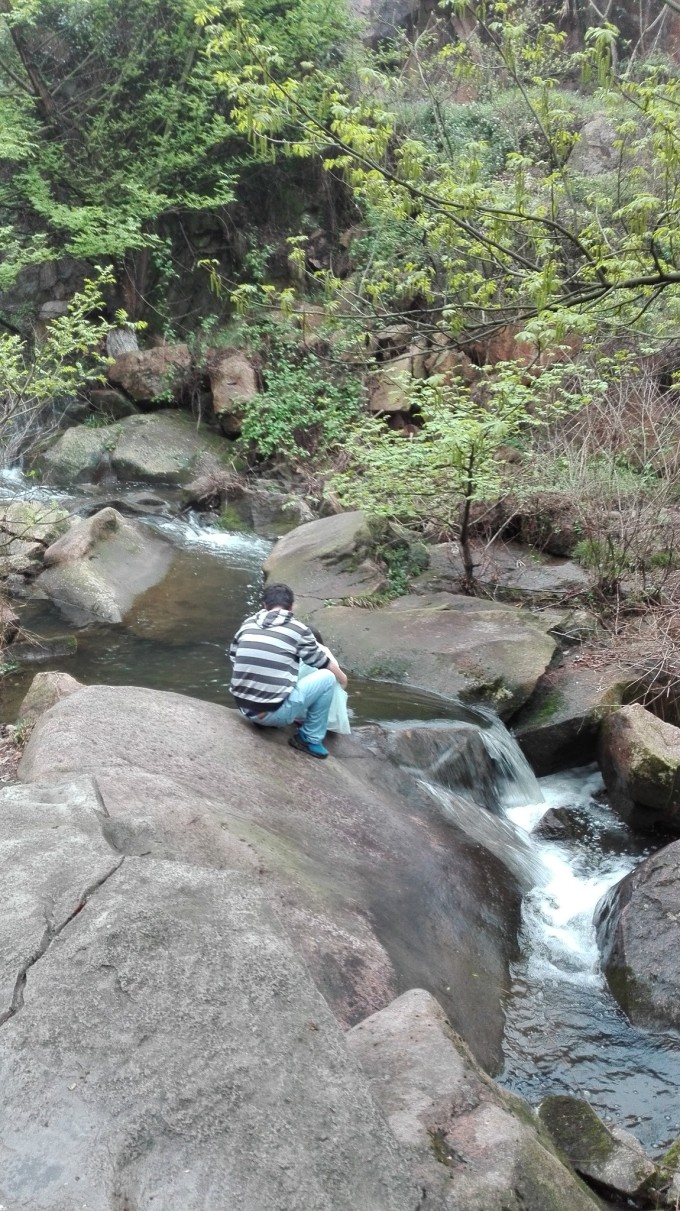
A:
[(640, 761), (637, 932), (560, 724), (162, 447), (460, 647), (162, 1045), (326, 560), (453, 645), (471, 1146), (101, 565), (377, 890)]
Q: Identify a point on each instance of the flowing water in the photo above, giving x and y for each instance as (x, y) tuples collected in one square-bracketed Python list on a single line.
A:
[(564, 1031)]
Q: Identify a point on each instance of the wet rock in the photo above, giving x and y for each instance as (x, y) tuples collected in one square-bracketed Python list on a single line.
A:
[(152, 375), (38, 650), (637, 930), (267, 512), (101, 565), (640, 761), (376, 889), (134, 504), (327, 559), (44, 691), (480, 651), (470, 1145), (609, 1156), (560, 724), (562, 824), (454, 755), (165, 1023), (233, 381)]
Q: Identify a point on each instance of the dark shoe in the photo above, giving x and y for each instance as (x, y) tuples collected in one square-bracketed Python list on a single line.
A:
[(308, 746)]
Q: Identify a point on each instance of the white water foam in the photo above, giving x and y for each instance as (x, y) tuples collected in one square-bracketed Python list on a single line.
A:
[(241, 548)]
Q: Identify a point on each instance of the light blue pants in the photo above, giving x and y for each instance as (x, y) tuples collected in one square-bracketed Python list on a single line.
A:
[(309, 700)]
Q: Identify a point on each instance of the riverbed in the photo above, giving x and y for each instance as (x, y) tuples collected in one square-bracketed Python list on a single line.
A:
[(564, 1032)]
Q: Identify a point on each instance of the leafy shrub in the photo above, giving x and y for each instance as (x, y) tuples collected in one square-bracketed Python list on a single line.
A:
[(307, 403)]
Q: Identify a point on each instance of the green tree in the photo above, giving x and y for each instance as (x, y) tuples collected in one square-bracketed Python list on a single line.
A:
[(37, 380), (486, 249), (454, 460)]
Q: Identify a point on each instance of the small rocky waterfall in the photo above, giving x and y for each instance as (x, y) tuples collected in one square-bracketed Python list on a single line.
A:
[(564, 1031)]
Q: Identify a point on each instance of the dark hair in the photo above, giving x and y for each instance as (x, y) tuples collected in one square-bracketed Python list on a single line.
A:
[(280, 595), (316, 634)]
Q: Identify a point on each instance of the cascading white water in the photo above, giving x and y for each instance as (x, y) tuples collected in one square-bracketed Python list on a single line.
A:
[(564, 1031)]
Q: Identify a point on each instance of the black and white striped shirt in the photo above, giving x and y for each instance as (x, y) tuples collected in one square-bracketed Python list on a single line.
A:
[(266, 652)]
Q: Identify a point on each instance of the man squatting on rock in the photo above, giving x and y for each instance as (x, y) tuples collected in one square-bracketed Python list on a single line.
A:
[(266, 652)]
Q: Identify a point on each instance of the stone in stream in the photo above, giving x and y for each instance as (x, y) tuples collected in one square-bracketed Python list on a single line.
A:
[(607, 1155), (45, 689), (637, 932), (101, 565), (162, 1044), (560, 724), (470, 1145), (376, 889), (640, 761)]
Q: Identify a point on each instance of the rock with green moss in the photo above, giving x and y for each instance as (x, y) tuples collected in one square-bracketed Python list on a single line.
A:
[(560, 724), (663, 1189), (471, 1146), (609, 1156), (328, 559), (79, 455), (160, 447), (640, 759), (637, 933)]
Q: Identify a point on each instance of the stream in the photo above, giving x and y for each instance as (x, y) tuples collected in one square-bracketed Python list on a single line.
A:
[(564, 1032)]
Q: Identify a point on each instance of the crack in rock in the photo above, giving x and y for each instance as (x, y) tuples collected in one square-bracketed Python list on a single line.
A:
[(51, 932)]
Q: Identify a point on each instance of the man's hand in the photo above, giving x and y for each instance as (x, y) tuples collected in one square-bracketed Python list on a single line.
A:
[(335, 667)]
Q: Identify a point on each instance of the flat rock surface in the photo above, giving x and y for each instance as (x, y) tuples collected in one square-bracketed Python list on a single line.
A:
[(452, 645), (171, 1052), (377, 890), (51, 851)]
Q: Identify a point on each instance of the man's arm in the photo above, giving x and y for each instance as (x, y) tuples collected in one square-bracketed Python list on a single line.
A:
[(335, 668)]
